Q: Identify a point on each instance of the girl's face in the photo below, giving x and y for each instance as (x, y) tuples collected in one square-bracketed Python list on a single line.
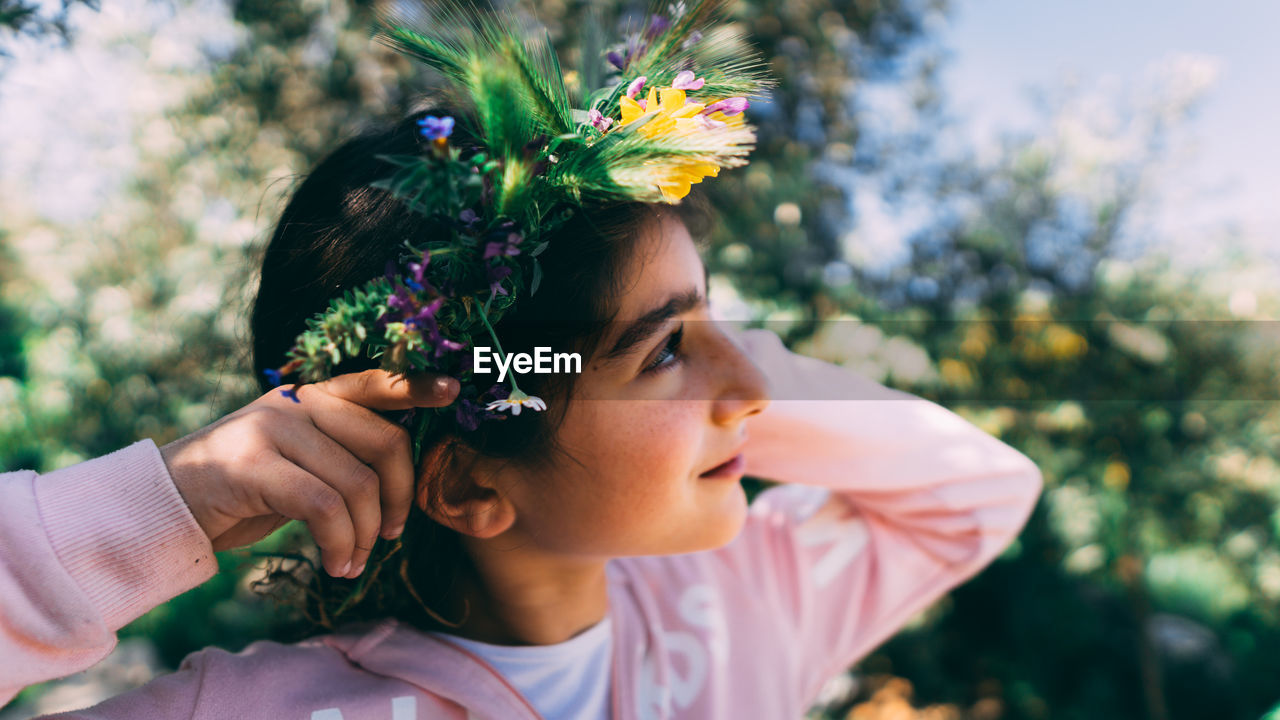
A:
[(661, 402)]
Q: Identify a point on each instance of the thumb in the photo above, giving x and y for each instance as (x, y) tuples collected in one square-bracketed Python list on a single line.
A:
[(381, 390)]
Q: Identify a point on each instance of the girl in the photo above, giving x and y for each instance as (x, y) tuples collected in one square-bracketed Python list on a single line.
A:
[(596, 562), (594, 557)]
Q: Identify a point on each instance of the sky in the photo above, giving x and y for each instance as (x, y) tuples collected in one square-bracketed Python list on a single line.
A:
[(1229, 173)]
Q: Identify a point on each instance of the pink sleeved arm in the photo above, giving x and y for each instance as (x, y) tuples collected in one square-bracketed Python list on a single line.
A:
[(904, 501), (86, 550)]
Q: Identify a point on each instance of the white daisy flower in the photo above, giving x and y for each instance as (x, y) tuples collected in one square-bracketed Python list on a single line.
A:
[(516, 401)]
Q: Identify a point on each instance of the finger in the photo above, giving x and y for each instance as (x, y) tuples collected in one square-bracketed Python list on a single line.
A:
[(319, 454), (299, 495), (382, 390), (376, 442)]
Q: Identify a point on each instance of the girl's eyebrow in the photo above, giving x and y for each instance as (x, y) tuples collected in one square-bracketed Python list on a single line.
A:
[(640, 329)]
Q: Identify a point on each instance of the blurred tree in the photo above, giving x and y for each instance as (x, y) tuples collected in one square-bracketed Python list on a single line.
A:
[(20, 17), (1145, 584)]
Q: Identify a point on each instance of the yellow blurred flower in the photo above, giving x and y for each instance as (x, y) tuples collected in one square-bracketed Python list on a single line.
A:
[(1116, 475)]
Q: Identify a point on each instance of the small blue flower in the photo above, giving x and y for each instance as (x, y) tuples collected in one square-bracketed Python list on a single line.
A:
[(291, 394), (273, 376), (436, 128)]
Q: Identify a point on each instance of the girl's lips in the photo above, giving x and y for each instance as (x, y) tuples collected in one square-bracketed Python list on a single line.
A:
[(730, 468)]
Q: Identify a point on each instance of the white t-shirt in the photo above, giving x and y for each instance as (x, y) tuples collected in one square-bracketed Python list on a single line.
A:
[(565, 681)]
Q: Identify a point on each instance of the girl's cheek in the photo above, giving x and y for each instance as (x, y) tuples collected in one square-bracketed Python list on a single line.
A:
[(658, 438)]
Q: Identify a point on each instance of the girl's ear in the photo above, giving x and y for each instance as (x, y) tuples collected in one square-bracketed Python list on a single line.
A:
[(470, 501)]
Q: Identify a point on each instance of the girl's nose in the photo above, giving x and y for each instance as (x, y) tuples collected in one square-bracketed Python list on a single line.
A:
[(742, 389)]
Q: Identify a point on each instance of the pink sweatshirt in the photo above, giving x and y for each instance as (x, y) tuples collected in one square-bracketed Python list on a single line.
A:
[(891, 501)]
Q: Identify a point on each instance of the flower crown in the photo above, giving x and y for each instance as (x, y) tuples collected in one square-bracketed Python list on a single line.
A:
[(670, 113)]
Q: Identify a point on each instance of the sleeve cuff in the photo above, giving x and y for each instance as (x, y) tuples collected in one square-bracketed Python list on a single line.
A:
[(123, 532)]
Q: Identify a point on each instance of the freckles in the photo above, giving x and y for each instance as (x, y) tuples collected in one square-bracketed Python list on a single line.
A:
[(655, 451)]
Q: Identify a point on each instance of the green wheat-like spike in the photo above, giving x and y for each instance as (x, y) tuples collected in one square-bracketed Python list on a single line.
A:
[(550, 98), (500, 96), (443, 36), (535, 62), (438, 54)]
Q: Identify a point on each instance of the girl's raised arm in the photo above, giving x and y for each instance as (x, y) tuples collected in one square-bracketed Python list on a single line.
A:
[(904, 501), (87, 549)]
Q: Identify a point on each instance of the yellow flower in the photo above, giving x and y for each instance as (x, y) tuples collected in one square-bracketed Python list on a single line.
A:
[(671, 115), (674, 183)]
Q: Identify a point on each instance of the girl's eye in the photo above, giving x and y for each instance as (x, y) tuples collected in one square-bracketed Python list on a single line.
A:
[(667, 357)]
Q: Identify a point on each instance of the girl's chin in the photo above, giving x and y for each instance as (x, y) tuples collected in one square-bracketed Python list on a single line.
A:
[(723, 522)]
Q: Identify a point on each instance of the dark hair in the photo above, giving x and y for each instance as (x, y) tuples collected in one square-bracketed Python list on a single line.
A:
[(336, 233)]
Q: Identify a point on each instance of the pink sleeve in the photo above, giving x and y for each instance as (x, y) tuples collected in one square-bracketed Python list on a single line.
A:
[(901, 500), (87, 549)]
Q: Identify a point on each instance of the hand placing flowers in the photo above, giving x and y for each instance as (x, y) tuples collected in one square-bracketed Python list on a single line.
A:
[(328, 460)]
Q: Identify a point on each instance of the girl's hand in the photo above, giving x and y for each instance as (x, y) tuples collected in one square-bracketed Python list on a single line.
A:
[(327, 460)]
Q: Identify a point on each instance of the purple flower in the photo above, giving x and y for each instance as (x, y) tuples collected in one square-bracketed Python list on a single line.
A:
[(444, 345), (466, 414), (472, 410), (503, 248), (471, 413), (495, 277), (418, 282), (709, 124), (636, 86), (728, 106), (426, 315), (401, 300), (468, 218), (436, 128), (291, 394), (598, 120), (657, 24), (618, 61), (690, 41), (273, 376), (686, 81)]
